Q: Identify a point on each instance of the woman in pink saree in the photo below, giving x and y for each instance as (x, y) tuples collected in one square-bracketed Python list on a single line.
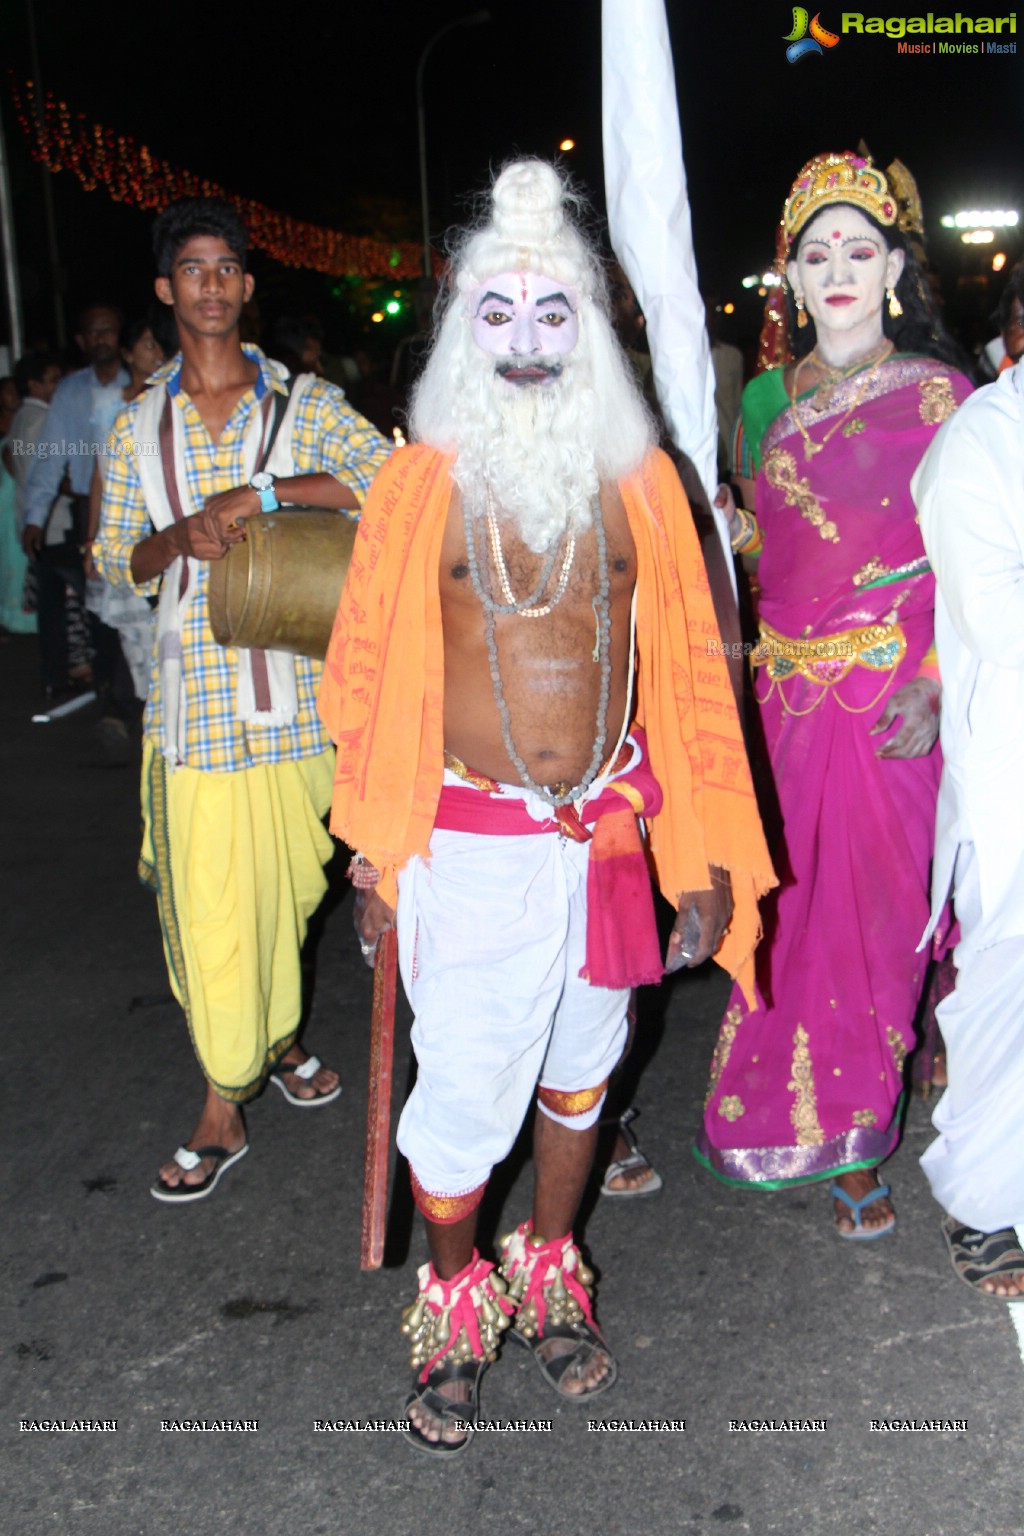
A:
[(808, 1086)]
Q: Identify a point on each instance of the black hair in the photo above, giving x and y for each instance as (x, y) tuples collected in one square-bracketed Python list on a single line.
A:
[(295, 330), (1014, 290), (183, 221), (133, 331), (288, 337), (90, 309), (918, 330), (31, 368)]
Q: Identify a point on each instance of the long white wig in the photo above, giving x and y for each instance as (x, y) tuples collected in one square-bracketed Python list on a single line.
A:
[(542, 452)]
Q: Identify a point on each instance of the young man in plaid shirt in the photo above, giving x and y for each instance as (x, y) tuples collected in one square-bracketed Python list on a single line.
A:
[(237, 769)]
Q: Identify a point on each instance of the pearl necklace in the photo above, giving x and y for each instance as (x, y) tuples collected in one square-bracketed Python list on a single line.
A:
[(487, 598), (511, 605), (560, 793)]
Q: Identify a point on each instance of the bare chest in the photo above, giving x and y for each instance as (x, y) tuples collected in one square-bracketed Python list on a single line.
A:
[(558, 594), (534, 695)]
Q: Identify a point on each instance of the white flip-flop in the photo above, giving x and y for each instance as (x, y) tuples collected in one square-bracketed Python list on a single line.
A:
[(307, 1070), (188, 1158)]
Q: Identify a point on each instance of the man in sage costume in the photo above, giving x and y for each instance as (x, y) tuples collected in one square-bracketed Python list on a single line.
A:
[(521, 673)]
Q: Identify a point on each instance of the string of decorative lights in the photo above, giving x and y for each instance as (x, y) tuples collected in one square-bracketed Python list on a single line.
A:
[(131, 173)]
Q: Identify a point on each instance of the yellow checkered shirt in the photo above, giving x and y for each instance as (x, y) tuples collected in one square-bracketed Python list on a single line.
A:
[(328, 437)]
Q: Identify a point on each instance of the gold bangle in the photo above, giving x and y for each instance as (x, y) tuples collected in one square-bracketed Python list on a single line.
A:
[(748, 532)]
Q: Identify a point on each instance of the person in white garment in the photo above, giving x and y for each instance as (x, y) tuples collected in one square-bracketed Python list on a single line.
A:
[(969, 490)]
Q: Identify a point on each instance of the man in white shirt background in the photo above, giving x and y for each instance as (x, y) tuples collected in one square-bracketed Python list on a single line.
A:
[(68, 443), (969, 491)]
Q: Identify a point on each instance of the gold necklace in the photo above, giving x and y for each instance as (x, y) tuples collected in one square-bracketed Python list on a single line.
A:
[(833, 377), (870, 365)]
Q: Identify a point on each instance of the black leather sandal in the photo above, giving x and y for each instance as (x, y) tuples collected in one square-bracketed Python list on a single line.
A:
[(443, 1408), (588, 1342), (977, 1256)]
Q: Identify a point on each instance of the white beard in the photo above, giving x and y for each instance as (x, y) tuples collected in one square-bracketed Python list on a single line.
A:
[(531, 446), (541, 449)]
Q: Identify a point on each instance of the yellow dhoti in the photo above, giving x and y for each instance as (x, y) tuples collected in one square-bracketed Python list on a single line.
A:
[(236, 861)]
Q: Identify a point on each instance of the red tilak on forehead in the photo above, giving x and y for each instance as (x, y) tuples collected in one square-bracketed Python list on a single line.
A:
[(836, 235), (522, 284)]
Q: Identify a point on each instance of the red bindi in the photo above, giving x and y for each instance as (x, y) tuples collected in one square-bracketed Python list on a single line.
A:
[(522, 282)]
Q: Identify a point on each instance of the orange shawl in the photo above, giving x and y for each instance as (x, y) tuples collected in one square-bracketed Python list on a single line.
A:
[(382, 693)]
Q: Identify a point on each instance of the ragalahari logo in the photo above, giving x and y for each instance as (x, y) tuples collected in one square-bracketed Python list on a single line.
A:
[(800, 44)]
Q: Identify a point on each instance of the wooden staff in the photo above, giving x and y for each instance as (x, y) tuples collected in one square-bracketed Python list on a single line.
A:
[(378, 1108)]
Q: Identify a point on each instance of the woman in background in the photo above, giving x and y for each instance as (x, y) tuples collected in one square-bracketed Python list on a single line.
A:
[(14, 618)]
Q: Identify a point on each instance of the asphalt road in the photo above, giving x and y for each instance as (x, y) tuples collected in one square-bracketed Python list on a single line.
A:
[(250, 1306)]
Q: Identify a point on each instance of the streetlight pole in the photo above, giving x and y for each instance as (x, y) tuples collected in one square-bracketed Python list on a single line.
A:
[(476, 19), (56, 274), (10, 255)]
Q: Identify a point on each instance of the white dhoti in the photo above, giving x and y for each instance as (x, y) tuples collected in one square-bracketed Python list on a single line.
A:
[(492, 937), (976, 1167)]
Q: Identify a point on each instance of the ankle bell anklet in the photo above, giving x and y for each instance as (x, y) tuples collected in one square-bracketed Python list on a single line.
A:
[(456, 1320), (548, 1282)]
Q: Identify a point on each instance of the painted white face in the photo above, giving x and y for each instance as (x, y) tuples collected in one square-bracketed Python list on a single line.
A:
[(843, 268), (528, 321)]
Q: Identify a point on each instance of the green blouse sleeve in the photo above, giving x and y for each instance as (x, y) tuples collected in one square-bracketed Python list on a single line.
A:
[(763, 399)]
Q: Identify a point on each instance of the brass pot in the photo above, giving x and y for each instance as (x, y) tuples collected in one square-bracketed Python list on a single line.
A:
[(278, 590)]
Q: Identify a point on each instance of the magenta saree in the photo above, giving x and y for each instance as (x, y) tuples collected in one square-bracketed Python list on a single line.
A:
[(810, 1083)]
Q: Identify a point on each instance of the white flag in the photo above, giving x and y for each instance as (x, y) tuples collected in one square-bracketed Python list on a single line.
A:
[(649, 221)]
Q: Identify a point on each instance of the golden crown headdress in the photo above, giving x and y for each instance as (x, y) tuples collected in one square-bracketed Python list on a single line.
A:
[(910, 218), (890, 198), (845, 178)]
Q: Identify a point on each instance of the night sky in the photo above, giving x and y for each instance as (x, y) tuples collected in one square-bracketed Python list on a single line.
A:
[(311, 109)]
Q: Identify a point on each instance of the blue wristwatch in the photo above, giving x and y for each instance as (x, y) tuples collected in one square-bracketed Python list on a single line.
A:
[(263, 484)]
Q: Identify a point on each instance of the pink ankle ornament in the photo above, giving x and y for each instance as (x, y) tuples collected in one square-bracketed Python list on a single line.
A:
[(456, 1320), (549, 1282)]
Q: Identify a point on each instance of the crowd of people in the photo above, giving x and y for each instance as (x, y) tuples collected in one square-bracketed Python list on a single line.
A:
[(525, 723)]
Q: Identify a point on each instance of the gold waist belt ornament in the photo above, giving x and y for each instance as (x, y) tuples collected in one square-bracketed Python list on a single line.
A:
[(827, 659)]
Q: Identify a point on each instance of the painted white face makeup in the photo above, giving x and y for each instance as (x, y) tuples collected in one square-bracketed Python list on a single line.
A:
[(843, 268), (528, 321)]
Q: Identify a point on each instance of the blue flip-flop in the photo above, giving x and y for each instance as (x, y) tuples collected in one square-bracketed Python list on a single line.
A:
[(861, 1233)]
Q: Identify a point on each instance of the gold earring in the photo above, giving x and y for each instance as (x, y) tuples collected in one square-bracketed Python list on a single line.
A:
[(895, 307), (801, 317)]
